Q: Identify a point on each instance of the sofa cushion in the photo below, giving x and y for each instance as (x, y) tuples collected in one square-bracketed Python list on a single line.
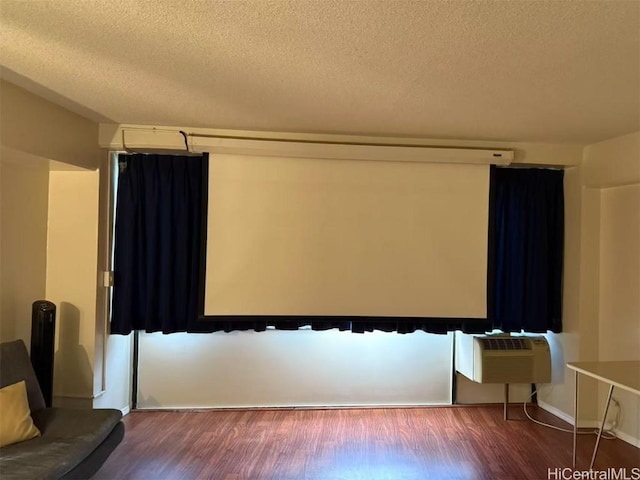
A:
[(16, 424), (68, 437), (15, 365)]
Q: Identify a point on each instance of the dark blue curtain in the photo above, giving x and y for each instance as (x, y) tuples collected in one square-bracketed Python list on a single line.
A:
[(526, 243), (157, 243)]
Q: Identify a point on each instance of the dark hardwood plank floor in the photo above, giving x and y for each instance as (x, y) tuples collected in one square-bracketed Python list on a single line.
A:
[(353, 444)]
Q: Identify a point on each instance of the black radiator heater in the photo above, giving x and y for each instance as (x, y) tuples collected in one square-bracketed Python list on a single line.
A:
[(43, 336)]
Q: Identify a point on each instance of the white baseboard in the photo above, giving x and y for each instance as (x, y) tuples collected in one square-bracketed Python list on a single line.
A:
[(587, 423), (627, 438), (125, 410), (310, 406), (566, 417)]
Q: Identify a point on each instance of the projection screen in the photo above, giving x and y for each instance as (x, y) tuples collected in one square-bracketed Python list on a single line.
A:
[(288, 236)]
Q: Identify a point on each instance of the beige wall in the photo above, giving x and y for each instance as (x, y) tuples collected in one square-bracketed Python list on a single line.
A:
[(33, 125), (24, 185), (619, 310), (71, 278), (620, 274), (613, 162)]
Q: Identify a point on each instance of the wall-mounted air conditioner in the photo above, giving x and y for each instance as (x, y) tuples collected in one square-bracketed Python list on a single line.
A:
[(503, 358)]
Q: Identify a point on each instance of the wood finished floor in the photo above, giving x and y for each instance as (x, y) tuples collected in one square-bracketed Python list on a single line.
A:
[(437, 443)]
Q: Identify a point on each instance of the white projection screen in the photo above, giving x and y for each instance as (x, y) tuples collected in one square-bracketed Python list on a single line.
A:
[(290, 236)]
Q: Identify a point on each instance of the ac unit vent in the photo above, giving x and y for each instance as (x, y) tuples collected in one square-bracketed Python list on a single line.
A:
[(505, 343), (503, 358)]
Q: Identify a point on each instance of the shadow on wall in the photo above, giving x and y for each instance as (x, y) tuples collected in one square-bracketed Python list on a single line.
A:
[(148, 401), (73, 375)]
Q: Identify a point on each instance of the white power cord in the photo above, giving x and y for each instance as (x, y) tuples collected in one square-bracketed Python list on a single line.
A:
[(606, 434)]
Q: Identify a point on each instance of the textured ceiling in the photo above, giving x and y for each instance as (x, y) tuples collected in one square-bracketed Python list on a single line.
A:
[(547, 71)]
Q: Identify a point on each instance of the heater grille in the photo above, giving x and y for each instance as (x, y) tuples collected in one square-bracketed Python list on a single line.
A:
[(505, 343)]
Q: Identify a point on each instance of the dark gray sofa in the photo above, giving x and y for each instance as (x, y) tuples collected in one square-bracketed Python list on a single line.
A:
[(74, 442)]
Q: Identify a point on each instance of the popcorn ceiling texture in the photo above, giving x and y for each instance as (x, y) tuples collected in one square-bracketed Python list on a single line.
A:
[(550, 71)]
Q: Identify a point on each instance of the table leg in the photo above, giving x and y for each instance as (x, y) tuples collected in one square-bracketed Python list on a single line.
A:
[(506, 401), (604, 418), (575, 416)]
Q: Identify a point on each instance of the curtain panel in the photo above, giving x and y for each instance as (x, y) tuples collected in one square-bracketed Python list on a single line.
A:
[(526, 242), (157, 243)]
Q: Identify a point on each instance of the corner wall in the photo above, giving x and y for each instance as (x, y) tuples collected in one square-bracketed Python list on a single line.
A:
[(557, 397), (616, 164), (602, 282)]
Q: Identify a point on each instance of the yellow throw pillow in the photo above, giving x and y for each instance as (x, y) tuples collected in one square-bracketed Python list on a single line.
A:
[(16, 424)]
